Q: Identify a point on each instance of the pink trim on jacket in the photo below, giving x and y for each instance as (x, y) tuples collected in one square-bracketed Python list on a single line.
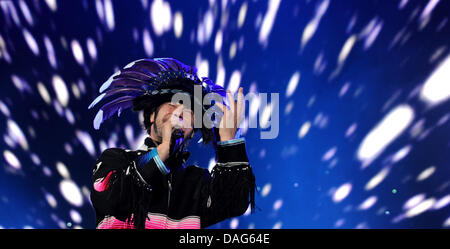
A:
[(154, 221)]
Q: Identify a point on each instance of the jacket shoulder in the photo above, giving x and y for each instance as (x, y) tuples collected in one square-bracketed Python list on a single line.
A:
[(114, 156), (113, 152)]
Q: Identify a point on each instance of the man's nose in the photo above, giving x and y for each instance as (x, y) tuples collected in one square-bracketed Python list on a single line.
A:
[(177, 120)]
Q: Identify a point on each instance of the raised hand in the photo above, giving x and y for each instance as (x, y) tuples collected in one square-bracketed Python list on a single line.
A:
[(232, 116)]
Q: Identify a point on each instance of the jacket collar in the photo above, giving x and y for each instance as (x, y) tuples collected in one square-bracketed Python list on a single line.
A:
[(149, 143)]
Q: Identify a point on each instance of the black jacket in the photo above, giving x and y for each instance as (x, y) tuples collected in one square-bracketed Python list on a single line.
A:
[(136, 186)]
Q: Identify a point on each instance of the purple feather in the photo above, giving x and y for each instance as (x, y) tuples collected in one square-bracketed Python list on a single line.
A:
[(213, 87), (131, 82), (96, 100), (147, 66), (173, 64), (170, 64), (110, 108), (132, 73), (108, 82), (125, 90)]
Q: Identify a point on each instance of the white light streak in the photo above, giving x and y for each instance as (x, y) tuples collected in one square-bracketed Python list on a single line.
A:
[(384, 133), (292, 85), (342, 192), (377, 179), (71, 192), (269, 19), (62, 94), (436, 88)]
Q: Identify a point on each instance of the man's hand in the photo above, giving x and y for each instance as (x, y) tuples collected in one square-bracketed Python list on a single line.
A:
[(163, 151), (232, 117), (166, 132)]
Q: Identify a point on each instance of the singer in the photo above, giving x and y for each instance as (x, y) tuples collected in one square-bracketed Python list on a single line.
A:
[(152, 187)]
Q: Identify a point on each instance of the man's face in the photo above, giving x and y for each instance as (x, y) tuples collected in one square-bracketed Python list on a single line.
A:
[(175, 115)]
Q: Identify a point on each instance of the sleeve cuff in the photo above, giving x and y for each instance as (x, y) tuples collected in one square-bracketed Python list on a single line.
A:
[(231, 142), (231, 151), (153, 156)]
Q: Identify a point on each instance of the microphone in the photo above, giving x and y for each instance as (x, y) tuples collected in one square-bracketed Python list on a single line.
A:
[(177, 134), (176, 141)]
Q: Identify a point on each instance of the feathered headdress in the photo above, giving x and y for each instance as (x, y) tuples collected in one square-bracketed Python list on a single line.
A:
[(147, 83)]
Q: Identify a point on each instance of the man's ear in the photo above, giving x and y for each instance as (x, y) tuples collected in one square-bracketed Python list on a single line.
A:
[(152, 117)]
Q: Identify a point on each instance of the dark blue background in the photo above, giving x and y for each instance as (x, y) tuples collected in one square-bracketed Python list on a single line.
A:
[(294, 167)]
